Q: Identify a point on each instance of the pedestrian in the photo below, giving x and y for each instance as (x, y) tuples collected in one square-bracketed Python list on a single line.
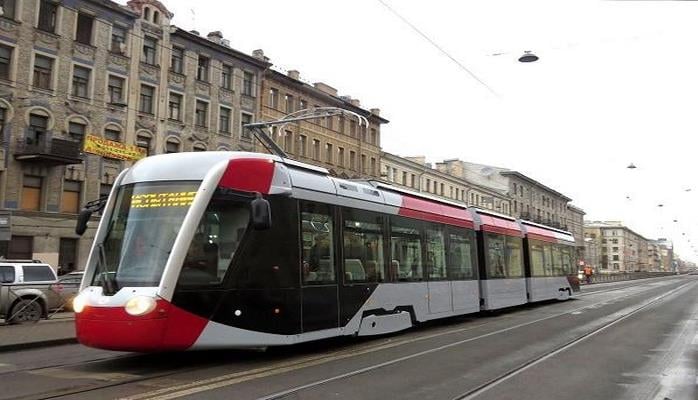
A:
[(588, 272)]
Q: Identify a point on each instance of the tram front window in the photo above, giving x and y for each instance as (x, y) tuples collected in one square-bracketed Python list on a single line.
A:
[(217, 238), (140, 233)]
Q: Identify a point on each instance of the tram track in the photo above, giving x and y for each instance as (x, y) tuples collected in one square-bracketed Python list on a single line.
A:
[(473, 393), (279, 367), (238, 378)]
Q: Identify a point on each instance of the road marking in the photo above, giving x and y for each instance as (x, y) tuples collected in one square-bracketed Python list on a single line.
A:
[(289, 366), (534, 362), (263, 372)]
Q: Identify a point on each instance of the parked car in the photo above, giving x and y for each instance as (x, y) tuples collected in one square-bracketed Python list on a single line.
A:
[(25, 290), (67, 287)]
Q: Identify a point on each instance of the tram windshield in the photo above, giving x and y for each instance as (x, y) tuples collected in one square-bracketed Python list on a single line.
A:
[(141, 232)]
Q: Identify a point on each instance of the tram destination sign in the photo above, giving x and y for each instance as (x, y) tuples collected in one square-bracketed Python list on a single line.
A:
[(162, 199)]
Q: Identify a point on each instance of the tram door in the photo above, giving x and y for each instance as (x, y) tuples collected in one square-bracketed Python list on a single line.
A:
[(319, 293), (440, 290), (362, 259)]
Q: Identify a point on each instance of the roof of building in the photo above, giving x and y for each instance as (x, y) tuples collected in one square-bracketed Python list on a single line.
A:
[(426, 167), (220, 48), (273, 74), (533, 182)]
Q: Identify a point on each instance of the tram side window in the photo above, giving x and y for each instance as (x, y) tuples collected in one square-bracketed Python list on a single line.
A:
[(514, 257), (566, 264), (317, 244), (548, 259), (405, 250), (363, 246), (557, 261), (495, 255), (537, 263), (461, 255), (436, 253)]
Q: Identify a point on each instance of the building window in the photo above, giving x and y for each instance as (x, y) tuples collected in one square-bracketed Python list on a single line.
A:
[(70, 201), (38, 125), (201, 114), (81, 81), (340, 156), (47, 16), (245, 119), (172, 146), (8, 8), (31, 193), (199, 147), (374, 136), (177, 60), (84, 29), (104, 190), (202, 69), (289, 103), (224, 120), (112, 134), (328, 153), (43, 72), (288, 142), (373, 167), (143, 142), (273, 98), (302, 143), (147, 95), (156, 17), (316, 149), (76, 131), (352, 160), (175, 107), (5, 62), (248, 83), (227, 77), (352, 128), (118, 39), (363, 163), (116, 89), (150, 45)]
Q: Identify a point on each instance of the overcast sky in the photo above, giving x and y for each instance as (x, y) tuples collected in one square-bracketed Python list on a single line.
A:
[(617, 82)]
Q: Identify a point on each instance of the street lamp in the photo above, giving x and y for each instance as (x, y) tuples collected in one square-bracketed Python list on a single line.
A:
[(528, 57)]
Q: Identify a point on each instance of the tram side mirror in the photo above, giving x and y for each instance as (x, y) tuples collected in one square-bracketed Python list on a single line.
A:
[(261, 213), (83, 219)]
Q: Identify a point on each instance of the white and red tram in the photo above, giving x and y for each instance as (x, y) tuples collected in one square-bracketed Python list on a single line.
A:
[(185, 257)]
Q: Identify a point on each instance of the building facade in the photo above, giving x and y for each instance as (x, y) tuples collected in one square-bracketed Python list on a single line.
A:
[(76, 69), (416, 174), (341, 144), (622, 249)]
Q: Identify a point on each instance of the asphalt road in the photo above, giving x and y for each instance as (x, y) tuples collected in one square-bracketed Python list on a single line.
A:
[(625, 340)]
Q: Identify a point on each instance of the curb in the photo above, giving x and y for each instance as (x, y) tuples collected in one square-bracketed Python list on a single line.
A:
[(37, 345)]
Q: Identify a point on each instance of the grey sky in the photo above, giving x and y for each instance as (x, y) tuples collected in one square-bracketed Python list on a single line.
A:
[(616, 83)]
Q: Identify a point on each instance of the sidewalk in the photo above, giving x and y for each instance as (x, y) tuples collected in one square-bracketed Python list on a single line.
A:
[(60, 329)]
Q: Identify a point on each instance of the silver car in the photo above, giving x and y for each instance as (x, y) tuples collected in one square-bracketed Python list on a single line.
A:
[(25, 290)]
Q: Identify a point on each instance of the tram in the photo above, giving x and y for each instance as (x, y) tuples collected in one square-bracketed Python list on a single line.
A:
[(210, 250)]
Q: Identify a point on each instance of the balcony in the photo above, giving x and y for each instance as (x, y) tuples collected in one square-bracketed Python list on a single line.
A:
[(48, 152)]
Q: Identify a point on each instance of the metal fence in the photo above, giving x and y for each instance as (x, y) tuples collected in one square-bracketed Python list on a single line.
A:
[(624, 276)]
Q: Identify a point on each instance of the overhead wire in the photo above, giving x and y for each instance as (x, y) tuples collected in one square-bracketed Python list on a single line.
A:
[(438, 47)]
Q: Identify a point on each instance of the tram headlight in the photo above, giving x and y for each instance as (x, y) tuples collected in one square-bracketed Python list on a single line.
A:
[(140, 305), (79, 303)]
